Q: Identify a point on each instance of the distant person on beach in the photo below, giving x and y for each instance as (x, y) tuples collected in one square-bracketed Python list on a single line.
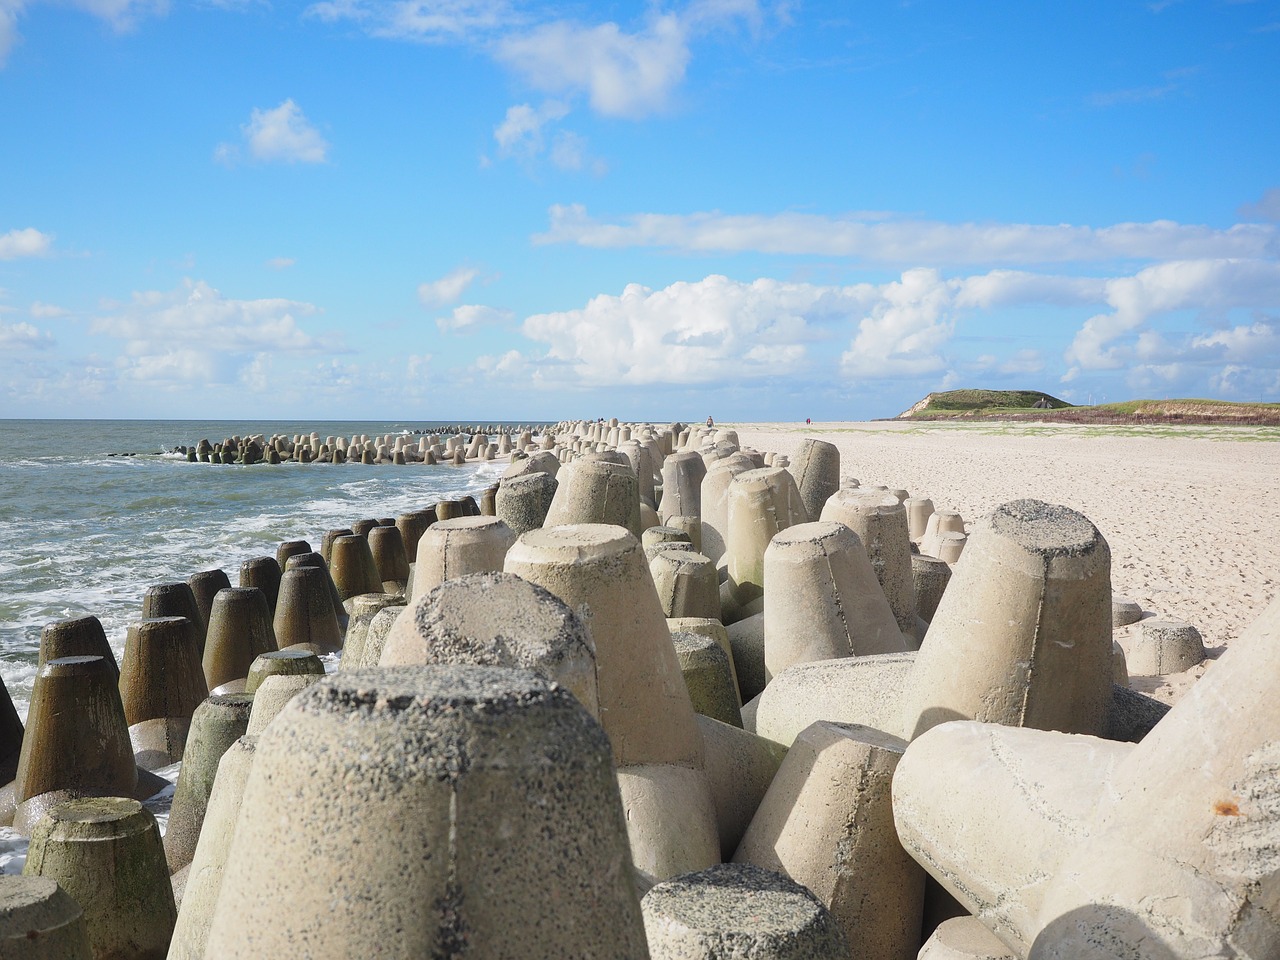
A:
[(710, 422), (807, 421)]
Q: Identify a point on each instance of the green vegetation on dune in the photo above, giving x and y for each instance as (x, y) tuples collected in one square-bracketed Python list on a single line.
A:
[(963, 401), (1022, 405)]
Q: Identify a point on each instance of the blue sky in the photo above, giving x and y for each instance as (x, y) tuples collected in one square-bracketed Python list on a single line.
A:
[(495, 209)]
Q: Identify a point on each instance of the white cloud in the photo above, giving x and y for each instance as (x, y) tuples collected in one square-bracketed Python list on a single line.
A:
[(281, 263), (29, 242), (195, 332), (423, 21), (525, 132), (622, 74), (905, 329), (1212, 287), (909, 241), (448, 289), (1266, 208), (279, 135), (19, 336), (712, 330), (48, 311), (521, 130), (468, 316), (121, 15)]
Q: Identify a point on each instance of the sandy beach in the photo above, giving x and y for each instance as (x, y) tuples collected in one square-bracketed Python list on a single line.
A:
[(1190, 513)]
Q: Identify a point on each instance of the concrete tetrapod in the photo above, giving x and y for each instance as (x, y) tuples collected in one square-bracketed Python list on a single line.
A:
[(919, 510), (240, 629), (174, 600), (715, 502), (290, 548), (930, 577), (389, 558), (740, 766), (209, 856), (305, 614), (1198, 879), (11, 735), (369, 653), (1022, 635), (522, 502), (1014, 804), (817, 472), (708, 673), (687, 584), (161, 684), (40, 921), (827, 822), (454, 548), (761, 503), (596, 492), (1111, 877), (599, 571), (425, 767), (824, 600), (77, 738), (713, 628), (1163, 646), (352, 567), (363, 609), (314, 560), (736, 910), (964, 938), (204, 587), (217, 723), (857, 690), (682, 475), (412, 526), (272, 694), (880, 521), (105, 853), (289, 663), (263, 573), (77, 637), (500, 620)]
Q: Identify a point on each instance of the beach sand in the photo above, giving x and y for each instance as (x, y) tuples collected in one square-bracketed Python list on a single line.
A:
[(1190, 513)]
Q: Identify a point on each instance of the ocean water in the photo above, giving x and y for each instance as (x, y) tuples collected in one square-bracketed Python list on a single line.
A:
[(86, 530)]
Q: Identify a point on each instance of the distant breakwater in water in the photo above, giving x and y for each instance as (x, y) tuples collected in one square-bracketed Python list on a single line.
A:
[(86, 528)]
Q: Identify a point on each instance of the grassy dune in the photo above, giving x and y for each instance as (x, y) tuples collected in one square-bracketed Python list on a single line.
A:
[(1019, 405)]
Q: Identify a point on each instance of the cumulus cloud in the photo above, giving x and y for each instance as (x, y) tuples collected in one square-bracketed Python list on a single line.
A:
[(282, 134), (622, 74), (23, 336), (196, 333), (448, 289), (904, 331), (1266, 208), (908, 241), (1210, 287), (714, 329), (28, 242), (469, 316)]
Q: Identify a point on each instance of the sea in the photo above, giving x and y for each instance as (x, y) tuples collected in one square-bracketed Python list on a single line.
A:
[(93, 512)]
